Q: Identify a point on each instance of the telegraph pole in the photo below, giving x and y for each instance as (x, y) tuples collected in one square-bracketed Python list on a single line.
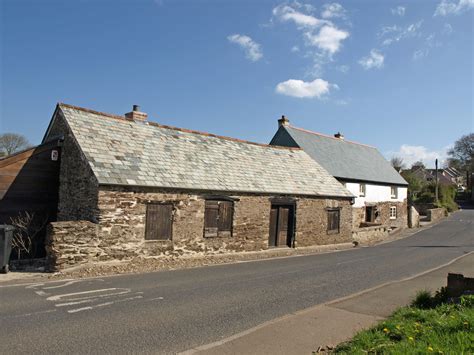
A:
[(436, 189)]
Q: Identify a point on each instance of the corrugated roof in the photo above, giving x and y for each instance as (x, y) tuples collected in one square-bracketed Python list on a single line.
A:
[(124, 152), (341, 158)]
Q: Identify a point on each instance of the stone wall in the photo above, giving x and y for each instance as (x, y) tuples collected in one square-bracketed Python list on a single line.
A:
[(72, 243), (413, 218), (120, 232), (383, 215), (370, 234), (435, 214), (78, 186), (311, 222)]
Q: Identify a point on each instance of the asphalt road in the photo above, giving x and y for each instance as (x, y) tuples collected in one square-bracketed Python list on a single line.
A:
[(172, 311)]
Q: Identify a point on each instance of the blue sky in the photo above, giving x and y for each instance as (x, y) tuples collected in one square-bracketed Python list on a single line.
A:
[(393, 74)]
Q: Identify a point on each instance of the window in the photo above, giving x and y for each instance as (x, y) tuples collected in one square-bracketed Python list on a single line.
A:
[(334, 216), (393, 192), (218, 217), (159, 221), (362, 190), (393, 212)]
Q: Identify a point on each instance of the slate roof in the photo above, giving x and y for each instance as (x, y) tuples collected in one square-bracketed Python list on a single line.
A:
[(121, 151), (341, 158)]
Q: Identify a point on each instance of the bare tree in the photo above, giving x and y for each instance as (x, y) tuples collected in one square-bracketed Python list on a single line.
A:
[(12, 142), (28, 226), (397, 163), (461, 156)]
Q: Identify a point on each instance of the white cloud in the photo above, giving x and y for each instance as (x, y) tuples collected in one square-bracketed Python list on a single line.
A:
[(252, 49), (322, 38), (446, 7), (429, 43), (333, 10), (413, 153), (396, 33), (287, 13), (328, 39), (374, 60), (303, 89), (399, 10)]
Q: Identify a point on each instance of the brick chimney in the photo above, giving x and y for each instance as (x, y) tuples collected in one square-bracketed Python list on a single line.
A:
[(136, 115), (339, 135), (283, 121)]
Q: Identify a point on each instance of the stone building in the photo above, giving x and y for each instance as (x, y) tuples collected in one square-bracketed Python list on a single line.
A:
[(129, 187), (381, 192)]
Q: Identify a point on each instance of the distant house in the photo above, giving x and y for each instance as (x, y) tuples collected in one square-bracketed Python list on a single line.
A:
[(381, 192), (446, 177), (129, 187)]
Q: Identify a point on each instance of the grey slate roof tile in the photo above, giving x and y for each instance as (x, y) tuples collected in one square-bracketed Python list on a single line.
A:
[(146, 154), (342, 159)]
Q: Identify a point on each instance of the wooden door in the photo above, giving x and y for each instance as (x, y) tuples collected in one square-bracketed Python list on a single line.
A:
[(281, 226), (272, 240), (159, 221)]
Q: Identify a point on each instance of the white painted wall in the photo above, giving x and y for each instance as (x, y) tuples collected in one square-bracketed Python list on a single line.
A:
[(375, 193)]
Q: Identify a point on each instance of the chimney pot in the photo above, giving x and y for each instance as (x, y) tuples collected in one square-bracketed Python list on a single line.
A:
[(283, 121), (136, 114), (339, 135)]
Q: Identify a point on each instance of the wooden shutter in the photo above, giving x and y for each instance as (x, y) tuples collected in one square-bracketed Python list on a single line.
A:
[(211, 219), (159, 222), (226, 209), (333, 221)]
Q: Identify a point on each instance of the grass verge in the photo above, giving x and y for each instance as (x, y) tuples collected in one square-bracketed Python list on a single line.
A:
[(429, 325)]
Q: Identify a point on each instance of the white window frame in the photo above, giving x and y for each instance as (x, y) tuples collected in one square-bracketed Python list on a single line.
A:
[(393, 192), (393, 212), (362, 190)]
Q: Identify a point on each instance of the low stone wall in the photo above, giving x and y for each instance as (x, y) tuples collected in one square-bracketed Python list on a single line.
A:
[(413, 218), (72, 243), (370, 234), (459, 285), (435, 214)]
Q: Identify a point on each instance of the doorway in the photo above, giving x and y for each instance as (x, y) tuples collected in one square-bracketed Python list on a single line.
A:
[(281, 226)]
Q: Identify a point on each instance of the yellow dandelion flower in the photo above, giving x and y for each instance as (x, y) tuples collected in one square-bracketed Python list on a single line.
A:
[(430, 349), (466, 323), (385, 330), (411, 339)]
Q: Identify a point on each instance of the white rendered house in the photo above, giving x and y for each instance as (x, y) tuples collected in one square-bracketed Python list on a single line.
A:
[(380, 191)]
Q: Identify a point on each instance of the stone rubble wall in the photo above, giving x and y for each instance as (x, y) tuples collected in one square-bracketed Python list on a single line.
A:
[(413, 218), (370, 234), (383, 217), (72, 243), (78, 187), (435, 214), (120, 231)]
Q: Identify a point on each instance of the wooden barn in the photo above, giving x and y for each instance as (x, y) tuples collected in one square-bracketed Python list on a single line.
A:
[(29, 183)]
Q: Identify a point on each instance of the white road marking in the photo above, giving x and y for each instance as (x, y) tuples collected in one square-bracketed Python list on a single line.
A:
[(102, 304), (156, 298), (41, 293), (88, 300), (67, 295)]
